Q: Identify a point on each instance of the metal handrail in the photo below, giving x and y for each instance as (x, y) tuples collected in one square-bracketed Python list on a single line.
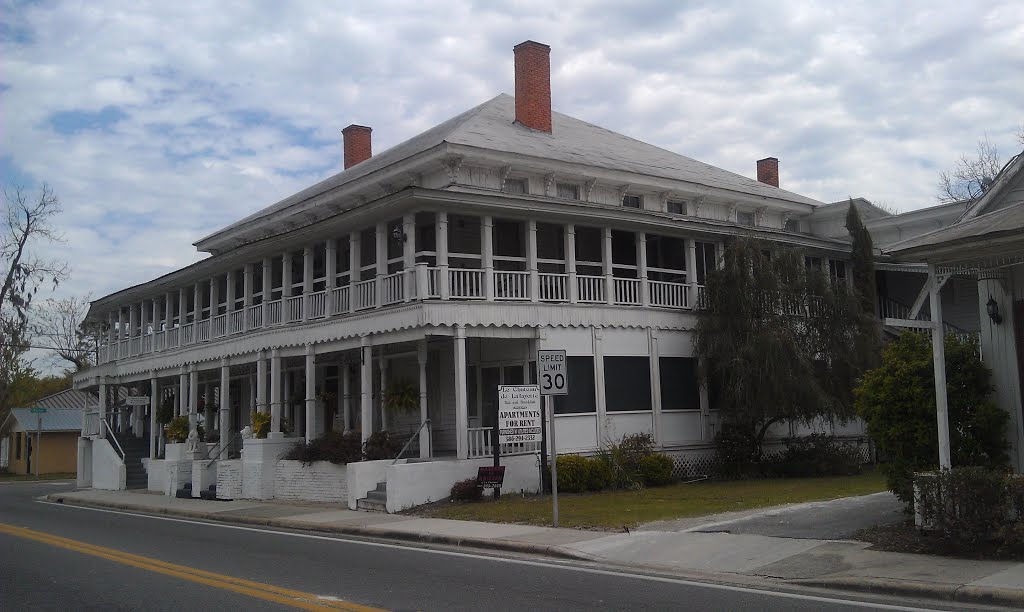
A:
[(111, 431), (222, 449), (409, 441)]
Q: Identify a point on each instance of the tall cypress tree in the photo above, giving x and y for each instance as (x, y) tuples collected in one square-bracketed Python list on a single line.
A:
[(867, 344)]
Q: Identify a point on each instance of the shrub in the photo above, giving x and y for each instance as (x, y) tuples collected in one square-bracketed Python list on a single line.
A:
[(333, 446), (599, 474), (623, 459), (737, 452), (656, 470), (165, 412), (380, 445), (897, 400), (973, 507), (573, 473), (260, 423), (177, 429), (817, 455), (467, 490)]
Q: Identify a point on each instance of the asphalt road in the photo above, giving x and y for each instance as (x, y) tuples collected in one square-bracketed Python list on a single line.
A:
[(180, 564)]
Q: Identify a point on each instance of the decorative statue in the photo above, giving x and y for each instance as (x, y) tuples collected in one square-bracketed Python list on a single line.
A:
[(193, 441), (247, 433)]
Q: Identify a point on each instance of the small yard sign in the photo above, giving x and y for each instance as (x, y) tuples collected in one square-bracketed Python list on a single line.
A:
[(491, 476), (518, 414), (552, 374), (136, 400)]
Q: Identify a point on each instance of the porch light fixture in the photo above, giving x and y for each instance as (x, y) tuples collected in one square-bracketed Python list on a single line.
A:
[(992, 307), (397, 234)]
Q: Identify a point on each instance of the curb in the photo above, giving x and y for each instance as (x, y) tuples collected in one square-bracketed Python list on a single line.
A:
[(915, 588), (391, 534)]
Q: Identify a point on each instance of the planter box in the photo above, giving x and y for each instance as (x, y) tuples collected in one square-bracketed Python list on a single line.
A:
[(322, 481)]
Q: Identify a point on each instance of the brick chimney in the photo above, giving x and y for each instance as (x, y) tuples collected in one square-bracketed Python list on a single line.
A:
[(357, 144), (533, 85), (768, 171)]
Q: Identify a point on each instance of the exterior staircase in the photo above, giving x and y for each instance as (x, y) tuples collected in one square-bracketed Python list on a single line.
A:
[(135, 449), (376, 500)]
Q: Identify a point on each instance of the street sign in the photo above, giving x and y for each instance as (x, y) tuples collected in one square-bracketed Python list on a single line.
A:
[(518, 414), (136, 400), (37, 410), (552, 373)]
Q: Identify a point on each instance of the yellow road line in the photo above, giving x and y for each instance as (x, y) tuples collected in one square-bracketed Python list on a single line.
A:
[(289, 597)]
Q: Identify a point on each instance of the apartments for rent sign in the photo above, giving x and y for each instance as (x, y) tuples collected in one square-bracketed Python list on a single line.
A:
[(518, 413)]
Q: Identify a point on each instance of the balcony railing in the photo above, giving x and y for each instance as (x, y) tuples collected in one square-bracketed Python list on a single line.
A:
[(403, 286), (481, 444)]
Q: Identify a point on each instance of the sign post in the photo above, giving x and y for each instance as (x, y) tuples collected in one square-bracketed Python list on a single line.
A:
[(39, 435), (554, 380)]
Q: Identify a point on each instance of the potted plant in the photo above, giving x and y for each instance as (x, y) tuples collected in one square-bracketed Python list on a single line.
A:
[(401, 396)]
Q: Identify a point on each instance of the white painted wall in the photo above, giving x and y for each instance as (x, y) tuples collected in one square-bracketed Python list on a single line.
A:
[(84, 476), (258, 459), (229, 479), (204, 474), (322, 481), (999, 353), (156, 475), (412, 484), (108, 472), (364, 476)]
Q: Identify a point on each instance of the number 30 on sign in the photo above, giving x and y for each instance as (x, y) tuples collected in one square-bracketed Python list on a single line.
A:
[(552, 374)]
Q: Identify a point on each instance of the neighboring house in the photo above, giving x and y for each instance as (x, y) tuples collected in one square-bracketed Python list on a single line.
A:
[(447, 261), (987, 244), (44, 441)]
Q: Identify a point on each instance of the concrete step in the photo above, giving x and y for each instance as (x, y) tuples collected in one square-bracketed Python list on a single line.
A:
[(382, 487), (381, 496), (371, 505)]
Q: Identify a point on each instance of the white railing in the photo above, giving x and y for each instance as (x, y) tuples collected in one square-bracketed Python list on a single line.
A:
[(91, 423), (236, 322), (172, 338), (293, 308), (317, 307), (392, 288), (511, 285), (135, 346), (122, 349), (219, 325), (554, 287), (433, 290), (365, 294), (147, 344), (339, 300), (273, 314), (255, 315), (590, 289), (188, 333), (669, 295), (203, 330), (466, 284), (627, 291), (481, 444), (159, 340)]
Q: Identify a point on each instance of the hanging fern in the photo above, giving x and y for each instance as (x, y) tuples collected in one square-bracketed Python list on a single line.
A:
[(401, 396)]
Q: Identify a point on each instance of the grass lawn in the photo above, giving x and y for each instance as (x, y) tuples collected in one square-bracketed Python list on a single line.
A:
[(614, 509), (8, 477)]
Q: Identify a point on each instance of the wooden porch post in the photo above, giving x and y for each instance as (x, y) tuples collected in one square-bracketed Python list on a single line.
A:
[(312, 430), (154, 404), (225, 403), (275, 394), (461, 399), (261, 382), (487, 255), (442, 254), (425, 434), (572, 290), (939, 358), (606, 260), (366, 386)]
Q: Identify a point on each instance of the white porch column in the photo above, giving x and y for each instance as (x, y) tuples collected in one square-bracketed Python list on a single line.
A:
[(354, 262), (606, 260), (182, 392), (442, 254), (154, 404), (261, 382), (641, 268), (133, 320), (247, 290), (229, 293), (366, 387), (312, 431), (267, 282), (197, 303), (570, 263), (156, 317), (208, 406), (225, 403), (346, 395), (121, 329), (307, 281), (381, 244), (425, 433), (214, 299), (275, 394), (193, 397), (461, 399), (331, 270), (409, 258), (487, 255), (168, 311), (939, 358), (286, 279), (531, 259), (103, 406), (383, 371), (691, 273), (656, 386)]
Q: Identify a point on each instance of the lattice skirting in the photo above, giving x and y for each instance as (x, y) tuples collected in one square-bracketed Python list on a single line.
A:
[(697, 462)]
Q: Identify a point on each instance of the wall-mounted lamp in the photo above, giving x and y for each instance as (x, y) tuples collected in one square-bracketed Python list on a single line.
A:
[(992, 307), (397, 234)]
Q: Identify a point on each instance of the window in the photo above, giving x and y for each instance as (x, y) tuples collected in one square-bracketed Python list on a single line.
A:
[(706, 260), (837, 269), (517, 185), (676, 207), (813, 263), (568, 191), (581, 389), (792, 225), (627, 383), (631, 201), (679, 388), (744, 217)]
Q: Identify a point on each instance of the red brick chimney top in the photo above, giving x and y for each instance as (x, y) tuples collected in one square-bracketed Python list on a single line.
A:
[(357, 144), (533, 85), (768, 171)]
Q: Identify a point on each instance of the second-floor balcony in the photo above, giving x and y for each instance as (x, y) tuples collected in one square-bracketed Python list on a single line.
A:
[(419, 283)]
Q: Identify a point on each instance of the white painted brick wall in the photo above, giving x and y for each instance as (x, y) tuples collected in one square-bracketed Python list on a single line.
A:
[(156, 475), (252, 481), (321, 481), (229, 479), (178, 473)]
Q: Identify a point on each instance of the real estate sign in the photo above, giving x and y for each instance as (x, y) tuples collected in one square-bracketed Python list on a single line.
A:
[(518, 413)]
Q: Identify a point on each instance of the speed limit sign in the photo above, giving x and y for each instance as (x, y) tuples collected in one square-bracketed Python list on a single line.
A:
[(552, 374)]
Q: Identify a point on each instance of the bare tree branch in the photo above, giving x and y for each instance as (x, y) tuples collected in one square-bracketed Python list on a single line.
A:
[(972, 176), (60, 326)]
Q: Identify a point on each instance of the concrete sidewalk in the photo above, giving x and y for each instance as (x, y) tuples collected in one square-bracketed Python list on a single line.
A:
[(684, 550)]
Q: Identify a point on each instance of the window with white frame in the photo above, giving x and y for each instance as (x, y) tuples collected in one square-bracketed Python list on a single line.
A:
[(632, 201), (516, 185), (745, 217), (676, 207), (568, 191), (588, 251)]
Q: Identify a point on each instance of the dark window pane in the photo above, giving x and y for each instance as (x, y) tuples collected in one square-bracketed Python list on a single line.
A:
[(463, 234), (588, 244), (581, 386), (516, 186), (508, 238), (631, 201), (627, 383), (426, 232), (550, 242), (679, 389), (676, 207), (367, 247), (623, 248)]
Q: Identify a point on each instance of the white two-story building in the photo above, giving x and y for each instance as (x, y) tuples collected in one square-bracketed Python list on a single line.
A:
[(445, 262)]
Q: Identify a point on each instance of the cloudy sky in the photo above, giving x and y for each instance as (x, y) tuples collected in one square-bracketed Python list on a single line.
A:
[(159, 122)]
